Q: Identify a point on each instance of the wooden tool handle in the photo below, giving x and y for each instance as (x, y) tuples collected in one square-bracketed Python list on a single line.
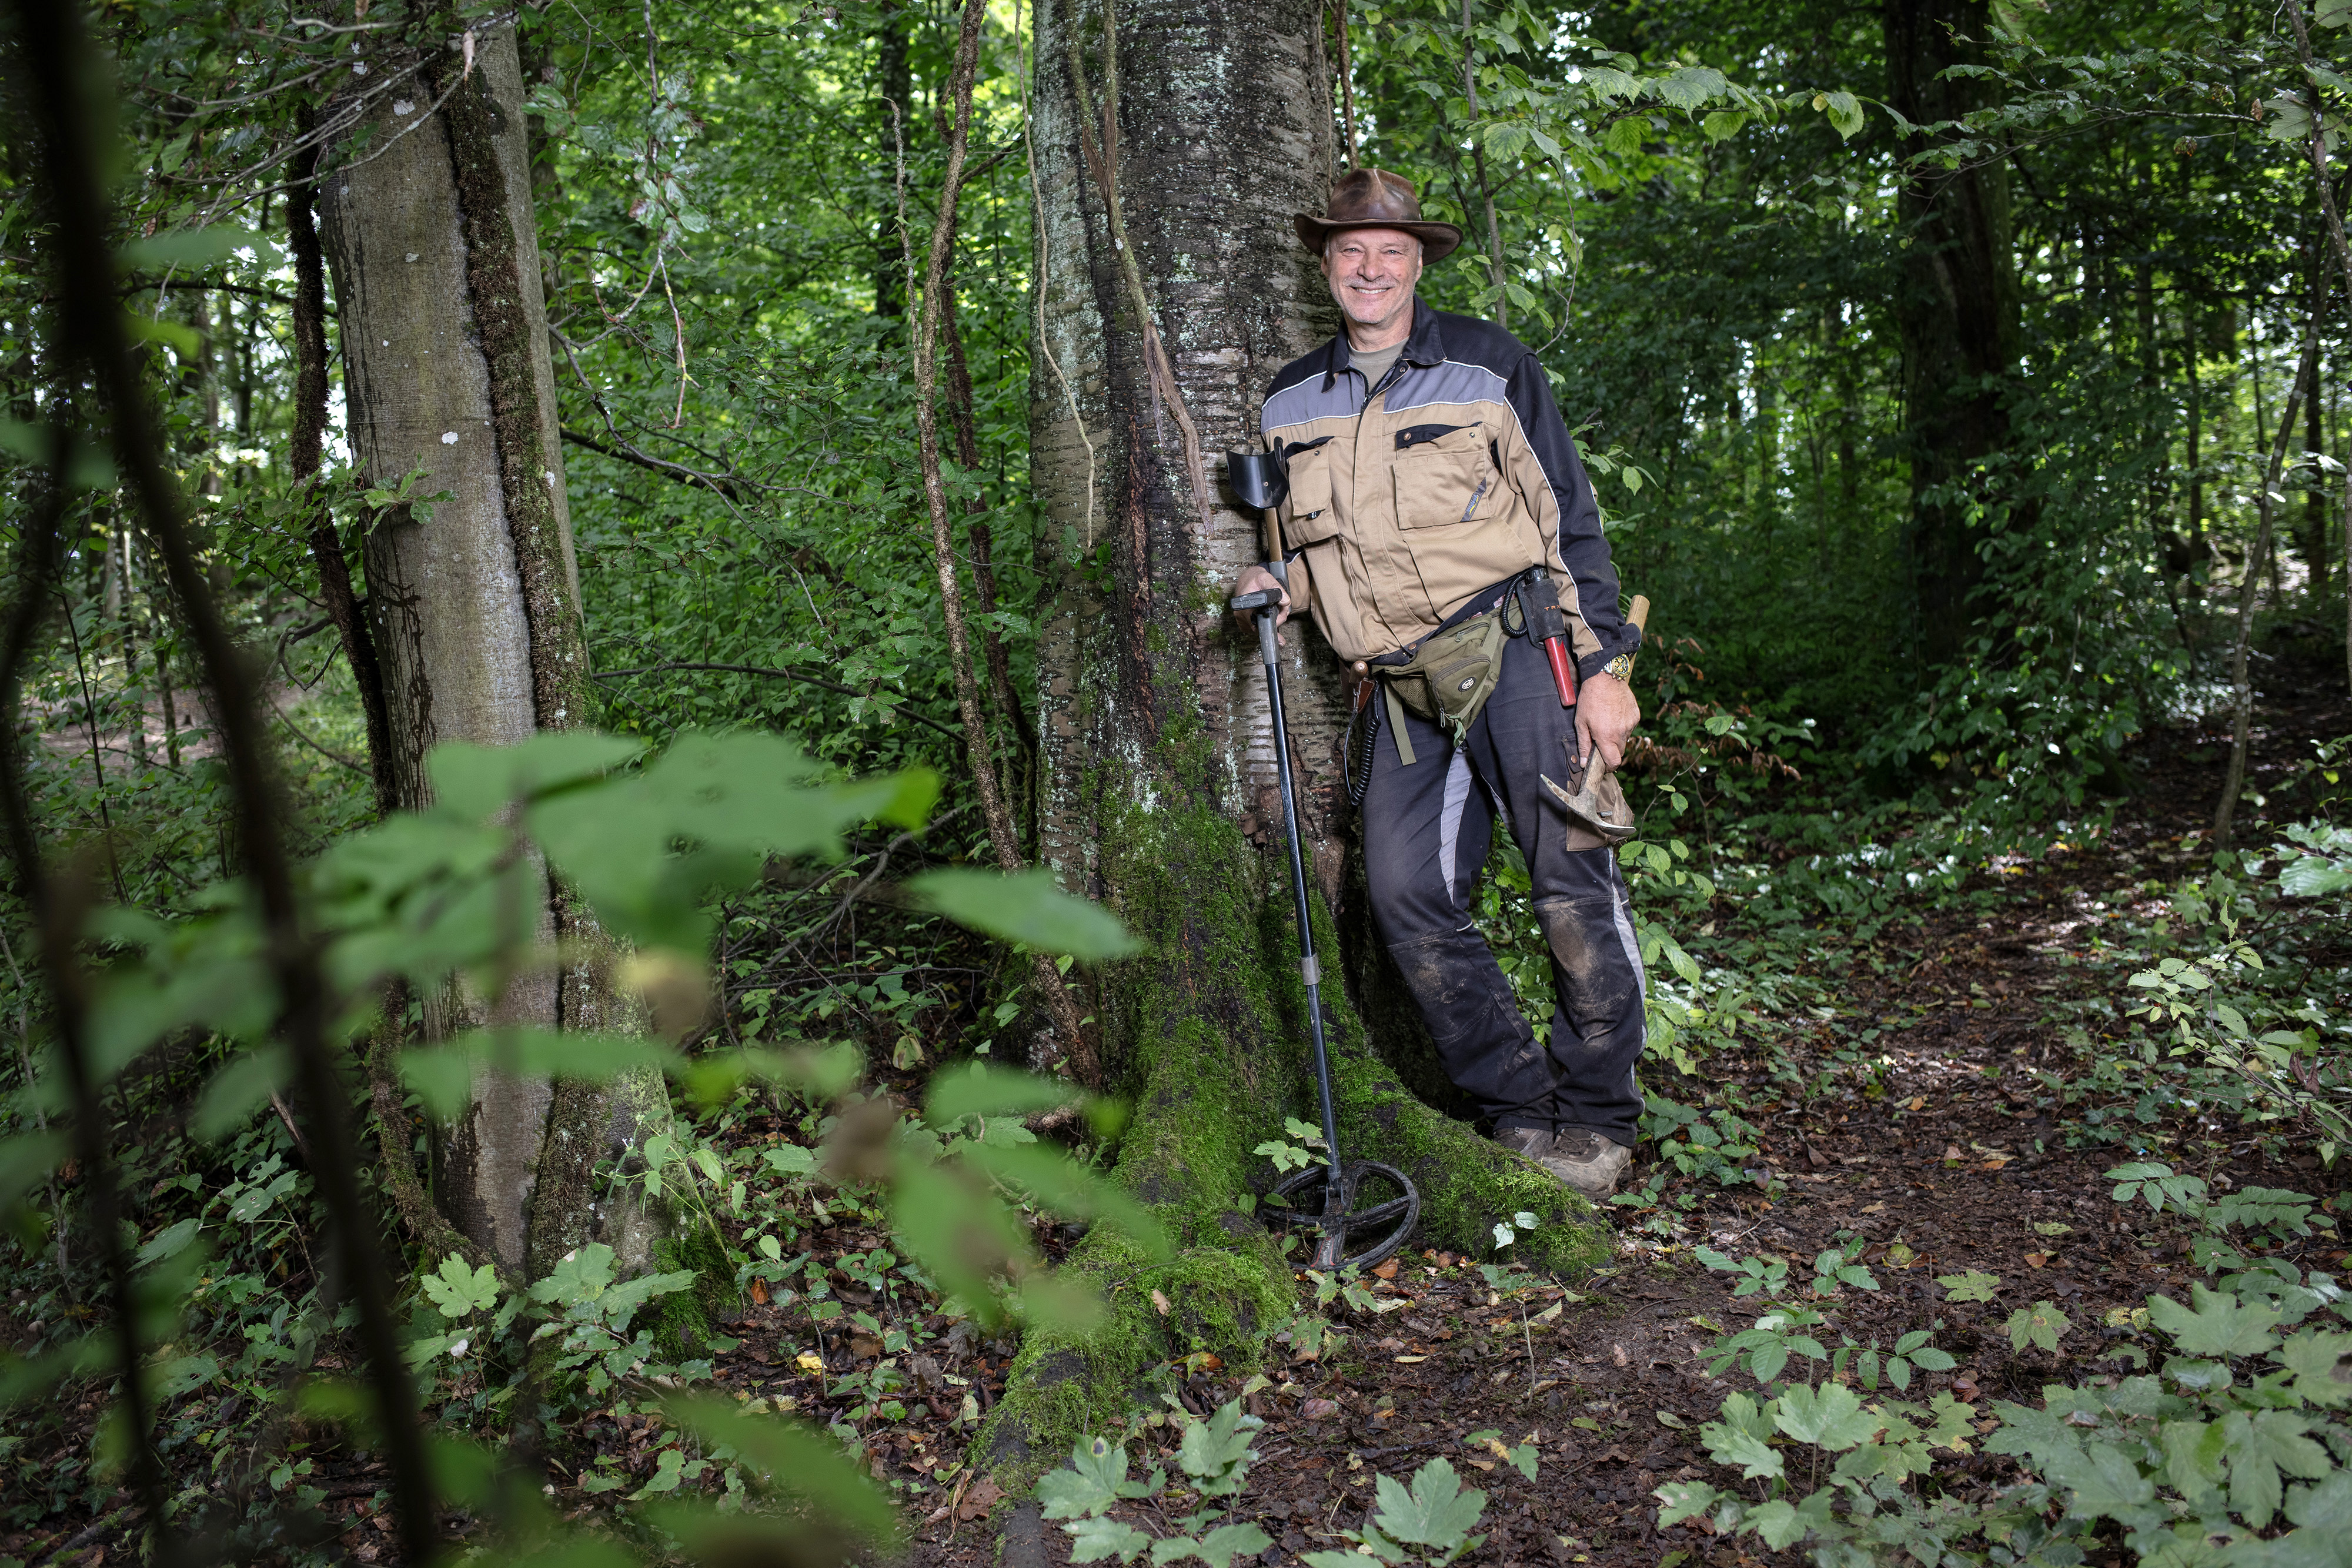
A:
[(1639, 614)]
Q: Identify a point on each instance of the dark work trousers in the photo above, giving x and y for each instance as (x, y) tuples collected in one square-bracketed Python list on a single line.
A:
[(1426, 831)]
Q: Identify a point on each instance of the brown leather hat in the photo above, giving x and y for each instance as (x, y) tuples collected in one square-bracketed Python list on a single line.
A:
[(1376, 199)]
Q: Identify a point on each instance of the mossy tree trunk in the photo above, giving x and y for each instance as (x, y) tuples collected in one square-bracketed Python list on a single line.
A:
[(474, 601), (1159, 792)]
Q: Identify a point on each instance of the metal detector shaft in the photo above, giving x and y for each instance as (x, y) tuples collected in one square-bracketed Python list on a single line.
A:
[(1332, 1245)]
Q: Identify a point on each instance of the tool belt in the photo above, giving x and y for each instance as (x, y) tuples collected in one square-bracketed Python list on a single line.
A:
[(1446, 681)]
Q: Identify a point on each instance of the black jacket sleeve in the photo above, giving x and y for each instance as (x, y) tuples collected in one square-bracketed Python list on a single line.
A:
[(1578, 547)]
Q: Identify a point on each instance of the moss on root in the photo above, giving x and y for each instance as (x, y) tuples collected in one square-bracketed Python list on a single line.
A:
[(1212, 1029)]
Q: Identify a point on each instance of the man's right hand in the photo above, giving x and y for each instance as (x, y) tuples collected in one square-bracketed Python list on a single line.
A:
[(1253, 580)]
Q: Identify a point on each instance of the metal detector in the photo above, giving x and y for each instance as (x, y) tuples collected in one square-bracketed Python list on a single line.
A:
[(1335, 1193)]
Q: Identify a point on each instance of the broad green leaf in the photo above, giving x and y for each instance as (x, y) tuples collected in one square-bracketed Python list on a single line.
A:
[(1845, 112), (800, 1458), (2261, 1448), (477, 782), (1092, 1540), (1438, 1511), (2322, 1364), (979, 1090), (2328, 1505), (238, 1090), (1830, 1416), (2041, 1323), (2193, 1458), (1218, 1548), (185, 248), (1729, 1445), (2106, 1484), (1690, 86), (1029, 908), (1216, 1452), (441, 1076), (1975, 1285), (167, 1243), (459, 1290), (1723, 124), (791, 1159), (2220, 1324), (1090, 1486), (1681, 1499), (1060, 1183)]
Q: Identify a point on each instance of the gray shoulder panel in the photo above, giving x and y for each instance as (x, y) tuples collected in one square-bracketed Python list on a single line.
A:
[(1308, 402), (1453, 382)]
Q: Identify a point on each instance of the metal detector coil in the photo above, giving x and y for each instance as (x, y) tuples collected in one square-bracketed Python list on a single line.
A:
[(1337, 1211)]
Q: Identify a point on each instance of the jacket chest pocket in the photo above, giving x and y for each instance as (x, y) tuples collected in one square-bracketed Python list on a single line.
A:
[(1444, 477), (1307, 517)]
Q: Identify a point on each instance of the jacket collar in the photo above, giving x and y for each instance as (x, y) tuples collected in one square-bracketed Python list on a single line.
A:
[(1424, 346)]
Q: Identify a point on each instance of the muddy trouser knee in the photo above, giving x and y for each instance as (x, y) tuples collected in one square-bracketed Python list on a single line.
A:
[(1426, 828)]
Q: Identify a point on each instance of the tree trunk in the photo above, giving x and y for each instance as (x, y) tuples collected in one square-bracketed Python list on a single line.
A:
[(476, 602), (1957, 310), (1159, 792)]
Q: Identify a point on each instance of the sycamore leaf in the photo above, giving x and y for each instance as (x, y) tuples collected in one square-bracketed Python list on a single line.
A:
[(1731, 1445), (2322, 1364), (1830, 1416), (1090, 1486), (2259, 1447), (1975, 1285), (1092, 1540), (1218, 1548), (2219, 1324), (1437, 1512), (2106, 1484), (460, 1291), (2041, 1323), (1684, 1499)]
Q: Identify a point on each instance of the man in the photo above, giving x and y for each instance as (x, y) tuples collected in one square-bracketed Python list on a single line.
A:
[(1429, 471)]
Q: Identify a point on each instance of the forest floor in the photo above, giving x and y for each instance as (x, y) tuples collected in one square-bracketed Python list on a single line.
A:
[(1913, 1124), (1947, 1158)]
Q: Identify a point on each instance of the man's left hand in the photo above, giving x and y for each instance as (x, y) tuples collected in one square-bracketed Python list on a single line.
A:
[(1606, 713)]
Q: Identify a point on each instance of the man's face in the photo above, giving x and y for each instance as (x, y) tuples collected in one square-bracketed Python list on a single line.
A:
[(1371, 273)]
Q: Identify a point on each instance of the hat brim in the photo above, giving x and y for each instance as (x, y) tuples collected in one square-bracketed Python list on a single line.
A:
[(1438, 240)]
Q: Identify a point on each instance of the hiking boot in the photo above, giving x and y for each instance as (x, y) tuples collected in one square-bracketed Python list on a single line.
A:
[(1587, 1161), (1533, 1143)]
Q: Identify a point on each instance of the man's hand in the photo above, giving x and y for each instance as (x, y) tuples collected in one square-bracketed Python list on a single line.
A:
[(1252, 580), (1606, 713)]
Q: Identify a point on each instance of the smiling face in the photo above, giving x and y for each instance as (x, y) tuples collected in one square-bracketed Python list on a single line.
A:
[(1371, 273)]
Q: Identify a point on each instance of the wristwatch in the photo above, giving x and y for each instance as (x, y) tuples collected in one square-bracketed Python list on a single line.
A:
[(1621, 666)]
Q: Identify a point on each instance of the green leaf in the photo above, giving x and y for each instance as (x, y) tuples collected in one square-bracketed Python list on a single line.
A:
[(979, 1089), (2322, 1364), (1681, 1499), (1029, 908), (1845, 112), (2041, 1323), (459, 1290), (2220, 1325), (167, 1243), (1438, 1512), (1975, 1285), (185, 248), (1092, 1540), (1218, 1548), (791, 1159), (2106, 1484), (800, 1458), (477, 782), (1216, 1452), (1830, 1416), (238, 1090), (2261, 1447), (1733, 1445), (1090, 1486), (1723, 124), (1690, 86)]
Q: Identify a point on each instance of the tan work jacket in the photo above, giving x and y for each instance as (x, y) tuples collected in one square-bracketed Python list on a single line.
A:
[(1454, 475)]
